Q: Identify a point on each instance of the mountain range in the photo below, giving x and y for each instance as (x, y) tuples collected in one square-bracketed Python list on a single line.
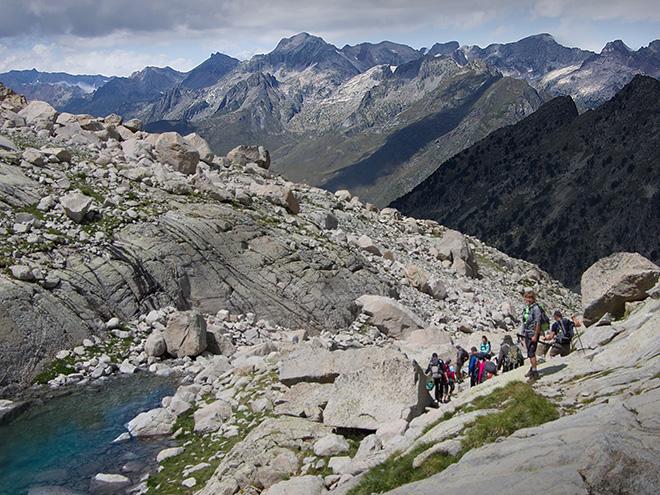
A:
[(373, 118), (558, 188)]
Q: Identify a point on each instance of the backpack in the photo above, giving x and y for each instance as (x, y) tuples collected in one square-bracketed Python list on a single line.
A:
[(545, 321), (437, 369), (565, 333), (512, 358)]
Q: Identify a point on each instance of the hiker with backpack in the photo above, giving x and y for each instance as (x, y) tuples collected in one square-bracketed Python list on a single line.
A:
[(534, 319), (473, 367), (438, 372), (561, 333), (510, 356), (451, 379), (487, 369), (461, 357)]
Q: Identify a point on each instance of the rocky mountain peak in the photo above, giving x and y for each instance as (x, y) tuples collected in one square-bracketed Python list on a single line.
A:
[(616, 46)]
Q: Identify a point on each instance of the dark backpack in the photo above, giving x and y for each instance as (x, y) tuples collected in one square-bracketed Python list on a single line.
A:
[(565, 331)]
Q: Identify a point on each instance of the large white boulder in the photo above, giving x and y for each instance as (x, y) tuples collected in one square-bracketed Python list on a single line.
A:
[(611, 282), (155, 422), (242, 155), (366, 398), (76, 205), (38, 111), (185, 334), (175, 151), (389, 316)]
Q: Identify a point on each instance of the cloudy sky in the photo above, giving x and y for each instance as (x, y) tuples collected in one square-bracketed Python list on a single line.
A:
[(118, 37)]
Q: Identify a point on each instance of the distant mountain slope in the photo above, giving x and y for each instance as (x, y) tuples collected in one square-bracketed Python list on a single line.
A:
[(57, 88), (406, 125), (210, 71), (558, 189), (121, 94)]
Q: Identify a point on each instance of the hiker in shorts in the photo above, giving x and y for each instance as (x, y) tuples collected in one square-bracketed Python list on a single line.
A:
[(531, 331), (561, 333), (438, 372), (461, 357)]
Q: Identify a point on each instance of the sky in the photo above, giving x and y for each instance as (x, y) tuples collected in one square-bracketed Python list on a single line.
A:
[(119, 37)]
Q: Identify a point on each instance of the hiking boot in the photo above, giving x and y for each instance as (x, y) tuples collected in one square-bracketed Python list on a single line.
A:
[(533, 377), (529, 373)]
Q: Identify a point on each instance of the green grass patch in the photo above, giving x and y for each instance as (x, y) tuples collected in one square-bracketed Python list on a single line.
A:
[(398, 471), (518, 407), (56, 367)]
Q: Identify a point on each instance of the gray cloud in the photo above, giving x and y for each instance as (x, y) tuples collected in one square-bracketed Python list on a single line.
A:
[(93, 18)]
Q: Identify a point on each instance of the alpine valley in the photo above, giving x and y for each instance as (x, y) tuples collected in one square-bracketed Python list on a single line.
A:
[(205, 230)]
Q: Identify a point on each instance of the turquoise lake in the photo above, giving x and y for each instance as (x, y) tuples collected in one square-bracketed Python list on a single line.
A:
[(65, 441)]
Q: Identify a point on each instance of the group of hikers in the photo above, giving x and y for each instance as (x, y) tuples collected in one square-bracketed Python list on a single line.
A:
[(480, 366)]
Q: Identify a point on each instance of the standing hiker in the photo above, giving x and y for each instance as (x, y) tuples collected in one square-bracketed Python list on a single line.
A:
[(473, 367), (484, 347), (451, 378), (439, 374), (461, 357), (562, 333), (510, 356), (531, 330)]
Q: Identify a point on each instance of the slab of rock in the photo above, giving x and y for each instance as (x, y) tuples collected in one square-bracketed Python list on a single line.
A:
[(331, 445), (38, 111), (281, 196), (619, 463), (173, 150), (76, 205), (303, 485), (454, 247), (269, 445), (202, 147), (242, 155), (185, 334), (155, 422), (365, 397), (417, 278), (155, 344), (611, 282), (108, 483), (167, 453), (211, 417), (390, 316)]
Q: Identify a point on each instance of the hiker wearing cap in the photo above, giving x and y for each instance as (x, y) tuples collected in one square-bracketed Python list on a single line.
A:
[(438, 372), (461, 357), (561, 333), (531, 330)]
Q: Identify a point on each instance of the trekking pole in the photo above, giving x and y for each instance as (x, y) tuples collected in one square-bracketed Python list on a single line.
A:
[(577, 334)]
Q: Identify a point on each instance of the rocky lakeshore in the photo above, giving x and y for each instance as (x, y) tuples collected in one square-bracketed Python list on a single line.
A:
[(300, 322)]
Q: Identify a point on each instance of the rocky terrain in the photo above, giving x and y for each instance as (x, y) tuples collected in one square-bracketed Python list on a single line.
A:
[(102, 220), (290, 313)]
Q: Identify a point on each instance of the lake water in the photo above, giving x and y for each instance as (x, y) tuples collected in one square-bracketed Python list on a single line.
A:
[(67, 440)]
